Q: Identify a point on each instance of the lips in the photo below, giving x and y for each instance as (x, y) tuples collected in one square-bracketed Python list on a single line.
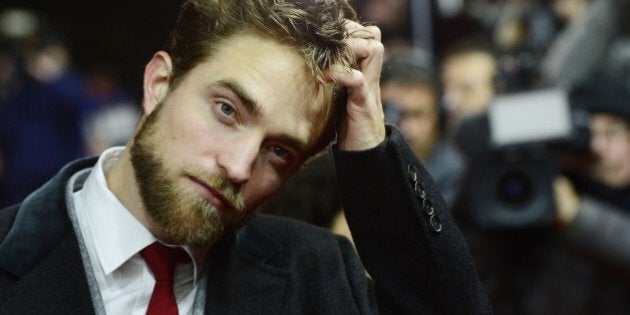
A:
[(211, 195)]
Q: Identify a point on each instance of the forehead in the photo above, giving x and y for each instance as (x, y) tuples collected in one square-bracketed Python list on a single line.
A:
[(409, 96), (270, 64), (605, 121), (274, 75), (469, 66)]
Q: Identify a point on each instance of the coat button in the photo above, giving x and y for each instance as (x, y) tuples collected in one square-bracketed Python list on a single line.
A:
[(428, 208), (435, 224), (412, 173), (420, 192)]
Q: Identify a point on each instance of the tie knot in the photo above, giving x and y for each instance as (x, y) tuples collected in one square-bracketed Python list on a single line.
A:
[(163, 259)]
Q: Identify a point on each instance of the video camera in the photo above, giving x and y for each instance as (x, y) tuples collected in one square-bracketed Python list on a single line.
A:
[(513, 153)]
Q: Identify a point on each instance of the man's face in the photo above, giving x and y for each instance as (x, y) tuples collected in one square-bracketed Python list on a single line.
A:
[(225, 139), (419, 117), (610, 142), (468, 84)]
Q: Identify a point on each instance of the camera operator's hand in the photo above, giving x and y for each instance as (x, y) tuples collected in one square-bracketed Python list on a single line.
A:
[(363, 127), (567, 200)]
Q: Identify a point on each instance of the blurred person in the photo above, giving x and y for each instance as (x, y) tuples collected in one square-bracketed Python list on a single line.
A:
[(392, 17), (468, 74), (594, 198), (40, 122), (115, 114), (516, 24), (611, 147), (9, 78), (582, 46), (521, 34), (109, 126), (233, 105), (410, 86)]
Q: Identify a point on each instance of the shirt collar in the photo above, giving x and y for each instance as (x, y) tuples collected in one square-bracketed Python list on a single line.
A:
[(116, 233)]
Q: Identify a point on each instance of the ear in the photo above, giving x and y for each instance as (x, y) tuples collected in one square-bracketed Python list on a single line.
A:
[(156, 81)]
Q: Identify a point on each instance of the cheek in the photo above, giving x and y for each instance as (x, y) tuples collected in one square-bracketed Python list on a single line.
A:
[(428, 125), (408, 126), (197, 135), (621, 153)]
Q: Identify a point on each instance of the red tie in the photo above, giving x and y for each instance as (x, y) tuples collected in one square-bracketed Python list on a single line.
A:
[(162, 260)]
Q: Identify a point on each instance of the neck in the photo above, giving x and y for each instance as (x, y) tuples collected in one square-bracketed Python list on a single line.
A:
[(121, 180)]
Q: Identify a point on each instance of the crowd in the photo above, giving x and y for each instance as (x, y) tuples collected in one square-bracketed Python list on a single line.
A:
[(573, 260), (50, 111)]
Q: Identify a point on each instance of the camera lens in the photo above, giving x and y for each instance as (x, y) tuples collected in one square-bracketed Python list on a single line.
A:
[(514, 188)]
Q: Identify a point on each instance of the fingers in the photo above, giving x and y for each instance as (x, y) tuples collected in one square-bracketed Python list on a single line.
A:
[(363, 127), (346, 77), (364, 42), (567, 200), (357, 30), (368, 53)]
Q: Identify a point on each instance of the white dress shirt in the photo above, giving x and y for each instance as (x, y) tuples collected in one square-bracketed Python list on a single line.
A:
[(114, 238)]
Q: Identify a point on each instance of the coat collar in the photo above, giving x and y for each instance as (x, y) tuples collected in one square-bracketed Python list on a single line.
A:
[(41, 252), (41, 223)]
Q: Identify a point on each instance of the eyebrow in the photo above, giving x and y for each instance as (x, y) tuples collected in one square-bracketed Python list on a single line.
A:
[(254, 108), (295, 143), (249, 102)]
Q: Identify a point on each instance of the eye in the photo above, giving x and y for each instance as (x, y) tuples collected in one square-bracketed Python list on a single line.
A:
[(279, 152), (226, 109)]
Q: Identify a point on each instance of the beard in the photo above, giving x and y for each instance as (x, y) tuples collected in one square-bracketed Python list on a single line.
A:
[(183, 217)]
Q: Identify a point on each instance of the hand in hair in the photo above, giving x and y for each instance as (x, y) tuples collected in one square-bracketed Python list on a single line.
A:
[(363, 127)]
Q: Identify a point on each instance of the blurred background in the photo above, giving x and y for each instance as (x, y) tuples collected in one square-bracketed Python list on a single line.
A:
[(519, 109)]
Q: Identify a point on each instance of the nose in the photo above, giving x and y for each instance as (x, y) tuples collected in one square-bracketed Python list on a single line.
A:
[(598, 143), (238, 158), (406, 125)]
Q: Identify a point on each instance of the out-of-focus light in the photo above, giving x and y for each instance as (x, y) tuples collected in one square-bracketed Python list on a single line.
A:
[(17, 23), (450, 8)]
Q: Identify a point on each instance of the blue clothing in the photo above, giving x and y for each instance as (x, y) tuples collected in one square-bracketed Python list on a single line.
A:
[(40, 131)]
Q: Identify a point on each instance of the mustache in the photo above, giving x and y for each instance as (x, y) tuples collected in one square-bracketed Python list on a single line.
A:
[(220, 184)]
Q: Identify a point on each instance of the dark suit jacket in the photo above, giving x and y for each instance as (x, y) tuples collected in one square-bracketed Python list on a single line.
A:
[(414, 253)]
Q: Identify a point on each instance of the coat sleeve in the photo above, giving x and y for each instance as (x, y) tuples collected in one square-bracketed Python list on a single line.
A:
[(404, 235), (600, 231)]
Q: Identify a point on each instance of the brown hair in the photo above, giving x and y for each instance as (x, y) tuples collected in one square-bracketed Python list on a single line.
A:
[(315, 28)]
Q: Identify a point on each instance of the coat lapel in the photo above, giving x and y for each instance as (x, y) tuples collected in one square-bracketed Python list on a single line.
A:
[(41, 271), (241, 280)]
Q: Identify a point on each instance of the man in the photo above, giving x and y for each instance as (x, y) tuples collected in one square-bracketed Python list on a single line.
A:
[(40, 122), (410, 86), (242, 95), (594, 200), (468, 74), (587, 41)]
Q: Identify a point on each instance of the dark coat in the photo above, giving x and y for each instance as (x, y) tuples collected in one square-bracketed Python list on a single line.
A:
[(408, 242)]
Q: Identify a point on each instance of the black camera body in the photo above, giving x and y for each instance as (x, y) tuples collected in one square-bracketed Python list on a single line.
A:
[(513, 156), (511, 189)]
